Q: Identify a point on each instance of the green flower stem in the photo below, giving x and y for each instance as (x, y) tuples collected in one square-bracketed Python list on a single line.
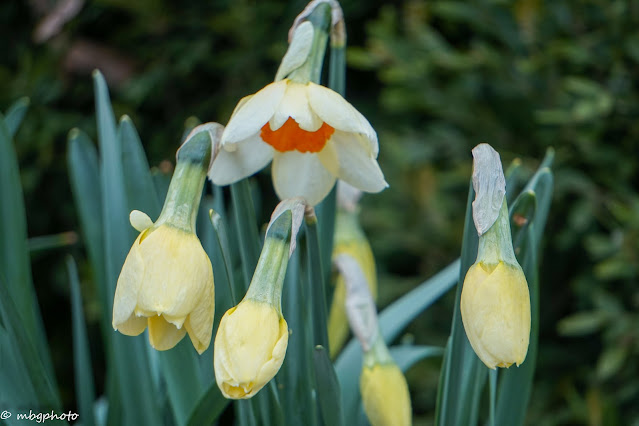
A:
[(311, 70), (268, 279), (185, 191), (378, 353), (496, 245)]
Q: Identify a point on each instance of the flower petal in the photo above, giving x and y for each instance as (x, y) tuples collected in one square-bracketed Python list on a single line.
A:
[(338, 113), (294, 104), (128, 288), (357, 165), (249, 156), (248, 119), (134, 326), (140, 220), (297, 174), (199, 322), (164, 335)]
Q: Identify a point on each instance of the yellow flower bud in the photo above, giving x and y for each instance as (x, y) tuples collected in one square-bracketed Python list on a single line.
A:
[(166, 283), (249, 348), (385, 395), (252, 338), (495, 309)]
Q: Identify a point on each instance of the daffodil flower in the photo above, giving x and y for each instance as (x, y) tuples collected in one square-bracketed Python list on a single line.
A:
[(166, 283), (312, 134), (252, 338), (495, 300)]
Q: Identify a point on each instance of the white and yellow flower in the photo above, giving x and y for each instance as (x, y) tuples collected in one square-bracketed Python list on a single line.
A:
[(312, 135)]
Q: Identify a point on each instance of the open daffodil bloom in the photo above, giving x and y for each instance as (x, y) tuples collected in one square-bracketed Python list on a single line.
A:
[(311, 134)]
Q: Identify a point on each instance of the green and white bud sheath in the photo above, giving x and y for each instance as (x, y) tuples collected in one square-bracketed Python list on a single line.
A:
[(193, 160), (382, 384), (360, 307), (495, 301), (490, 208), (308, 36)]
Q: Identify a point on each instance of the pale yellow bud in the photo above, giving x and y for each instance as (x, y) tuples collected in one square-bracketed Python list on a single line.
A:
[(166, 284), (495, 309), (250, 346), (385, 395)]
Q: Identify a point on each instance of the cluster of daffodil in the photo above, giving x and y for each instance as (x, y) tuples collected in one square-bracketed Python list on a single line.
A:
[(495, 302), (313, 137)]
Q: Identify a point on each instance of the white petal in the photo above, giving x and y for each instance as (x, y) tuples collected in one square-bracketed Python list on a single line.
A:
[(357, 166), (249, 156), (248, 119), (332, 108), (297, 174), (140, 220), (294, 104)]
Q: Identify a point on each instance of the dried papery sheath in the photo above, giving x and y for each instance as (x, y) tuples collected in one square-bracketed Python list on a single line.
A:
[(490, 187), (360, 306), (337, 19), (298, 50), (297, 207)]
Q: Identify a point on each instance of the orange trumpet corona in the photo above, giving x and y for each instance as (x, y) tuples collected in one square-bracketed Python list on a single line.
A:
[(291, 137)]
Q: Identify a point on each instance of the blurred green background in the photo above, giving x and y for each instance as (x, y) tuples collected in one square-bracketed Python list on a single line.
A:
[(434, 78)]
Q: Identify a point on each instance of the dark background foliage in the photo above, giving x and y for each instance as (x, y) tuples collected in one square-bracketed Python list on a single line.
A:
[(435, 78)]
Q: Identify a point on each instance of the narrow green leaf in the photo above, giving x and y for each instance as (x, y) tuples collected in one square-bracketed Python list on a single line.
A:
[(223, 253), (128, 354), (296, 374), (82, 161), (14, 253), (180, 369), (317, 283), (246, 225), (406, 356), (84, 386), (15, 114), (49, 242), (328, 390), (337, 68), (492, 380), (208, 408), (464, 374), (140, 189), (325, 212), (26, 350), (515, 384)]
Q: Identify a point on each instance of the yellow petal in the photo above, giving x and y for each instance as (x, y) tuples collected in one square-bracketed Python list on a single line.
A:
[(385, 395), (495, 308), (250, 345), (162, 334), (126, 292)]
